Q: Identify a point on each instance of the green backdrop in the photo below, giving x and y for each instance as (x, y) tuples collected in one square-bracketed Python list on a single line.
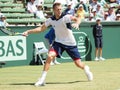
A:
[(84, 38)]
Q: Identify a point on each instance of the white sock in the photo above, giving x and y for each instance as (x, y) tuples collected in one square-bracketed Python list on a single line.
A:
[(43, 77), (86, 69)]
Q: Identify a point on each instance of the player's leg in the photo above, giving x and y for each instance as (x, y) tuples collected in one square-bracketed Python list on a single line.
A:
[(86, 68), (48, 46), (53, 52), (79, 64), (75, 55), (41, 81)]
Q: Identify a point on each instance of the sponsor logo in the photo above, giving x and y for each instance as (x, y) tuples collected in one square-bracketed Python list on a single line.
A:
[(83, 43), (12, 48)]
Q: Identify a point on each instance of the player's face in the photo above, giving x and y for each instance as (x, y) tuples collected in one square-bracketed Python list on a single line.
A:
[(58, 11)]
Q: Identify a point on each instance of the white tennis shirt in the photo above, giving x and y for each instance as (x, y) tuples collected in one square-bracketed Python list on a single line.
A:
[(63, 29)]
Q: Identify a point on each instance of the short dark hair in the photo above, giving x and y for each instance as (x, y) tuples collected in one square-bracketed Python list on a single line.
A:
[(56, 4)]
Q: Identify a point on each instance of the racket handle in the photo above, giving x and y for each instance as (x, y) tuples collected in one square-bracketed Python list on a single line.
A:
[(17, 33)]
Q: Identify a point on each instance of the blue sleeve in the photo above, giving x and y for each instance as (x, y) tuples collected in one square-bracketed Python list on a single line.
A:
[(50, 35)]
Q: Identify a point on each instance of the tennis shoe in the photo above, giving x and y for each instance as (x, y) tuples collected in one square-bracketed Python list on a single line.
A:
[(88, 73), (89, 76), (40, 82), (101, 58), (96, 59)]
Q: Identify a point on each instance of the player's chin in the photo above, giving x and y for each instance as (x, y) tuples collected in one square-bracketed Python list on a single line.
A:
[(59, 14)]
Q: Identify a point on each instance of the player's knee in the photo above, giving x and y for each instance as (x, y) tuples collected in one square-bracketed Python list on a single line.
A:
[(51, 56)]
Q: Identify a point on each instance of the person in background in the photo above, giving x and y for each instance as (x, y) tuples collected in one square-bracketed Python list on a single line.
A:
[(112, 1), (63, 2), (117, 10), (81, 12), (69, 9), (105, 16), (90, 18), (39, 2), (118, 17), (118, 2), (31, 7), (94, 14), (103, 3), (93, 5), (74, 3), (85, 4), (49, 38), (39, 13), (100, 12), (111, 15), (98, 39), (3, 22)]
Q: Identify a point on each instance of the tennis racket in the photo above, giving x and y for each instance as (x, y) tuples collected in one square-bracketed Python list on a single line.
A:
[(9, 32)]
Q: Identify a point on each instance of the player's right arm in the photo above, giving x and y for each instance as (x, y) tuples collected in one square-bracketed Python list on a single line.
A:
[(36, 30)]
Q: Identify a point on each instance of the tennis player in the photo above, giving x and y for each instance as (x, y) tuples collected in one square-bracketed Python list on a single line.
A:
[(64, 41)]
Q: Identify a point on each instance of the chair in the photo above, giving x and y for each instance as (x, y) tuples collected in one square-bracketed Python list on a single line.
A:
[(40, 49)]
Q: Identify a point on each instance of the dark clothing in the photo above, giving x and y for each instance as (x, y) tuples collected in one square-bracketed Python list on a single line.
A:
[(97, 34), (97, 30), (72, 51), (117, 11), (98, 42)]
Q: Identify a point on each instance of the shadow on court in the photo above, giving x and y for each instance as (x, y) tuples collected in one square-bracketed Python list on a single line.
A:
[(48, 83)]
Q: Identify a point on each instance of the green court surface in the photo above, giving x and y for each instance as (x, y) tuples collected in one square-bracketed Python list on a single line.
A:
[(63, 77)]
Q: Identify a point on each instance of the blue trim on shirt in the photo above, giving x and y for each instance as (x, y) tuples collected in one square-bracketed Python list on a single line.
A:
[(54, 18), (69, 26)]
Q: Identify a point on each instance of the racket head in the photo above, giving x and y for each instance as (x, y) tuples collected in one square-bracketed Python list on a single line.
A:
[(9, 32)]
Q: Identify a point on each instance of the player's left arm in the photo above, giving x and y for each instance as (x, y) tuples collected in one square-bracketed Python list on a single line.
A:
[(77, 21)]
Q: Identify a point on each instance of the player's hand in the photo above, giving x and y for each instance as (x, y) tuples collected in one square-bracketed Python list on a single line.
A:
[(75, 25), (25, 33)]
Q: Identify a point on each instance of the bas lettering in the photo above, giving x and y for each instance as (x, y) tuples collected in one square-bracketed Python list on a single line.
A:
[(10, 50)]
